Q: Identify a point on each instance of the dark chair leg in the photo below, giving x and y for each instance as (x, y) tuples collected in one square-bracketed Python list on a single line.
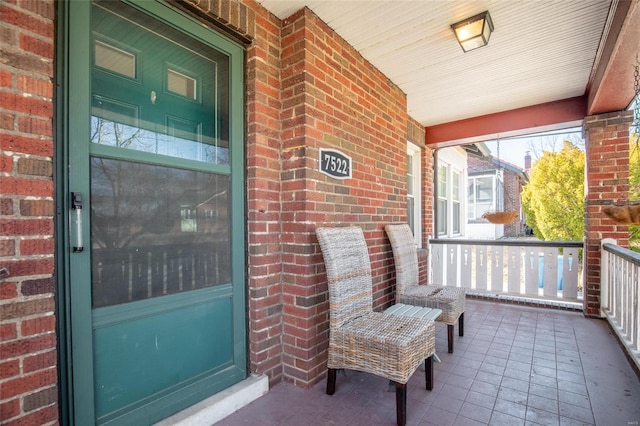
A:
[(331, 381), (450, 337), (461, 325), (401, 404), (428, 372)]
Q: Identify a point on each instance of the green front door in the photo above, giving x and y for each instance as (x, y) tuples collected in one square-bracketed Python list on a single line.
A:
[(156, 229)]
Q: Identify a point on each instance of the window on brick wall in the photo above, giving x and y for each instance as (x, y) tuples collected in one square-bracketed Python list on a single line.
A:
[(449, 208), (442, 212), (455, 201), (414, 212)]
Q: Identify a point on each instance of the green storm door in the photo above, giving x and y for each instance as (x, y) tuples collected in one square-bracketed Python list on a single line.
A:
[(158, 241)]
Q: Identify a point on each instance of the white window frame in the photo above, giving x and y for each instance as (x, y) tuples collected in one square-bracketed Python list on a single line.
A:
[(456, 200), (442, 199), (415, 174), (472, 204), (454, 163)]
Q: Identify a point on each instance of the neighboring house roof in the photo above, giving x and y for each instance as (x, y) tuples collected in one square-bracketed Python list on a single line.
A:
[(482, 152), (479, 149), (510, 167)]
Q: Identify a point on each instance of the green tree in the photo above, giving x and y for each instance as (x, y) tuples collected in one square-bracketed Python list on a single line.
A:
[(553, 200)]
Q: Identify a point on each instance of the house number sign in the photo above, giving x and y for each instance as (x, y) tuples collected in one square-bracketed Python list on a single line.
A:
[(335, 164)]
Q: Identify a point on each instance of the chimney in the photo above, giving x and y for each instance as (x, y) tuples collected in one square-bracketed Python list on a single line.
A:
[(527, 161)]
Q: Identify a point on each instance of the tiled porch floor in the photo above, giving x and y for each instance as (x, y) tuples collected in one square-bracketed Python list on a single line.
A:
[(515, 365)]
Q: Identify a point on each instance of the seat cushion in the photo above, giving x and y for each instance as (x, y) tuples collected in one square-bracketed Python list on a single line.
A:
[(450, 299), (392, 346)]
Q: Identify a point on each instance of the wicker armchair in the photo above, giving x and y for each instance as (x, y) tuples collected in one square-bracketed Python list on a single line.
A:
[(450, 299), (387, 345)]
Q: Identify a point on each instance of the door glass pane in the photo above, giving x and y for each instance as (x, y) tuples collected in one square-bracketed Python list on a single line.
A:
[(181, 84), (114, 59), (409, 175), (156, 230), (410, 214), (471, 200), (455, 211), (442, 217), (455, 188), (198, 89), (442, 181)]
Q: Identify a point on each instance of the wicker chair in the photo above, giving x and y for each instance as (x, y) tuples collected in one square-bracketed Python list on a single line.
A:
[(387, 345), (450, 299)]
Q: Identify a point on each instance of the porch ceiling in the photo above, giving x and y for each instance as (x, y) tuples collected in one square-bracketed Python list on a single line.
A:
[(573, 53)]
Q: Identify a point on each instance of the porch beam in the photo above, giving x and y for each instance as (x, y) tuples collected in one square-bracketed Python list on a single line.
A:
[(611, 86), (536, 118)]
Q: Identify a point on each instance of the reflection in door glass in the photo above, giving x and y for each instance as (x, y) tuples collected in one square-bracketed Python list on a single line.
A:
[(114, 59), (156, 90), (156, 230), (120, 127), (181, 84)]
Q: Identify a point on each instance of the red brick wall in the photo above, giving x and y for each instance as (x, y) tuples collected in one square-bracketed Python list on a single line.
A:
[(333, 98), (427, 192), (28, 375), (512, 202), (427, 212), (607, 174), (416, 134), (264, 206), (306, 89), (475, 164)]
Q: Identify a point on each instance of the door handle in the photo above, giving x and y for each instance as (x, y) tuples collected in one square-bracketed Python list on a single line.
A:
[(76, 205)]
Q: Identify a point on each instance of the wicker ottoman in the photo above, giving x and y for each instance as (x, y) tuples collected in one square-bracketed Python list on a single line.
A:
[(416, 312), (451, 300)]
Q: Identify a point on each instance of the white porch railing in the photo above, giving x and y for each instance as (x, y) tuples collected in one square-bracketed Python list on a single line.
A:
[(544, 270), (619, 286)]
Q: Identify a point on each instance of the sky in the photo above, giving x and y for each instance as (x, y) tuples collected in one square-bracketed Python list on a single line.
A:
[(512, 150)]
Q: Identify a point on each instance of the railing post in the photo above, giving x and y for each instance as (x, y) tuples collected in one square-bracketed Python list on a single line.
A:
[(605, 303), (620, 284)]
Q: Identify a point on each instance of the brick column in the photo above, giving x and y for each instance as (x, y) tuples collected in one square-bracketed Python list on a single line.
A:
[(28, 367), (331, 97), (607, 181), (428, 208)]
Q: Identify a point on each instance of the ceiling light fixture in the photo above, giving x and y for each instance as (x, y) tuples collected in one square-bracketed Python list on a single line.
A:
[(473, 32)]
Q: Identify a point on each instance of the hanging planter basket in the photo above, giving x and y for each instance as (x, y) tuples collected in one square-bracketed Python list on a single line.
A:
[(500, 218), (626, 214)]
